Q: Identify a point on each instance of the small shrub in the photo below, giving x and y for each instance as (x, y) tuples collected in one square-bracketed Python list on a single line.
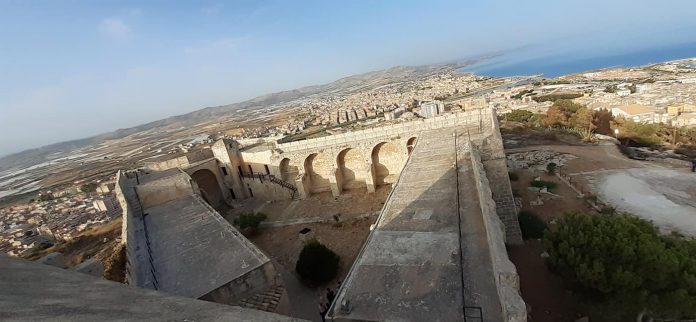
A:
[(513, 176), (522, 116), (249, 221), (532, 227), (608, 210), (317, 264), (89, 187), (542, 183), (551, 168)]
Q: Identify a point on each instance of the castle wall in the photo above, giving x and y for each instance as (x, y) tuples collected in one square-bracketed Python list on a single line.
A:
[(132, 231), (257, 280), (179, 162), (155, 193), (353, 169), (264, 189), (227, 153), (497, 172), (505, 273)]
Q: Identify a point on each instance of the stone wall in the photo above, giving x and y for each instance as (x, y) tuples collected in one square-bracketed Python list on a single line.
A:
[(264, 189), (387, 161), (505, 273), (254, 282), (160, 191), (227, 153), (199, 155), (319, 169), (495, 163), (179, 162), (132, 230), (351, 162), (474, 117)]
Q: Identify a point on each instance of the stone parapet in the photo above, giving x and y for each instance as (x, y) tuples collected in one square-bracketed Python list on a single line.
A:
[(506, 278)]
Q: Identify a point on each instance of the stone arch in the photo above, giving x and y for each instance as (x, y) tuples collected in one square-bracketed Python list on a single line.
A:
[(410, 144), (288, 172), (208, 186), (317, 167), (351, 165), (387, 161)]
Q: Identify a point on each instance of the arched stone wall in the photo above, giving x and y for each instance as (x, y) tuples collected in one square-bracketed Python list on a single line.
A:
[(352, 167), (288, 172), (411, 143), (387, 161), (209, 187), (318, 167)]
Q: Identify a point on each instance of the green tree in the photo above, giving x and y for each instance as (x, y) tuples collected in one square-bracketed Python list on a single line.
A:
[(522, 116), (624, 261), (582, 118), (641, 134), (602, 121), (89, 187), (317, 264), (561, 113), (249, 222)]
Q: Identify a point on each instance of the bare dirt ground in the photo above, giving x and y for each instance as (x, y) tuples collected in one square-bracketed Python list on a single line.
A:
[(542, 290), (318, 208), (279, 237), (283, 244), (546, 293), (100, 242), (600, 170)]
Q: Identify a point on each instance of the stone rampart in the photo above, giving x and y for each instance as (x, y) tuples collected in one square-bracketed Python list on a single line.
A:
[(481, 117), (155, 193), (506, 278), (497, 172), (132, 231)]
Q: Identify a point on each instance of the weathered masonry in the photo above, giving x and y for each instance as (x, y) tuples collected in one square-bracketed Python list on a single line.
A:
[(176, 243), (37, 292), (361, 159), (437, 251)]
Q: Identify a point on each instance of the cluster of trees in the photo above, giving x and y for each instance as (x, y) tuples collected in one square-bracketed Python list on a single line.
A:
[(625, 262), (523, 93), (581, 121), (566, 114), (556, 97)]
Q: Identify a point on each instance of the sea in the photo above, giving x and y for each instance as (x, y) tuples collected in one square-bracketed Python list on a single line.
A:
[(525, 62)]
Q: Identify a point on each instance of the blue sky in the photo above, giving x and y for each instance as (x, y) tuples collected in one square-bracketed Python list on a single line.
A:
[(72, 69)]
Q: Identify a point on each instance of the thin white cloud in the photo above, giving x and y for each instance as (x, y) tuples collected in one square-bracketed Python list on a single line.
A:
[(114, 28)]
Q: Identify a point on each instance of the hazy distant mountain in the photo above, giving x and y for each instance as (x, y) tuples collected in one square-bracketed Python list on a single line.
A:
[(345, 85)]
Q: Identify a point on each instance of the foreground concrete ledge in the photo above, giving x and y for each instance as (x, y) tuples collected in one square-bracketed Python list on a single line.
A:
[(35, 292)]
